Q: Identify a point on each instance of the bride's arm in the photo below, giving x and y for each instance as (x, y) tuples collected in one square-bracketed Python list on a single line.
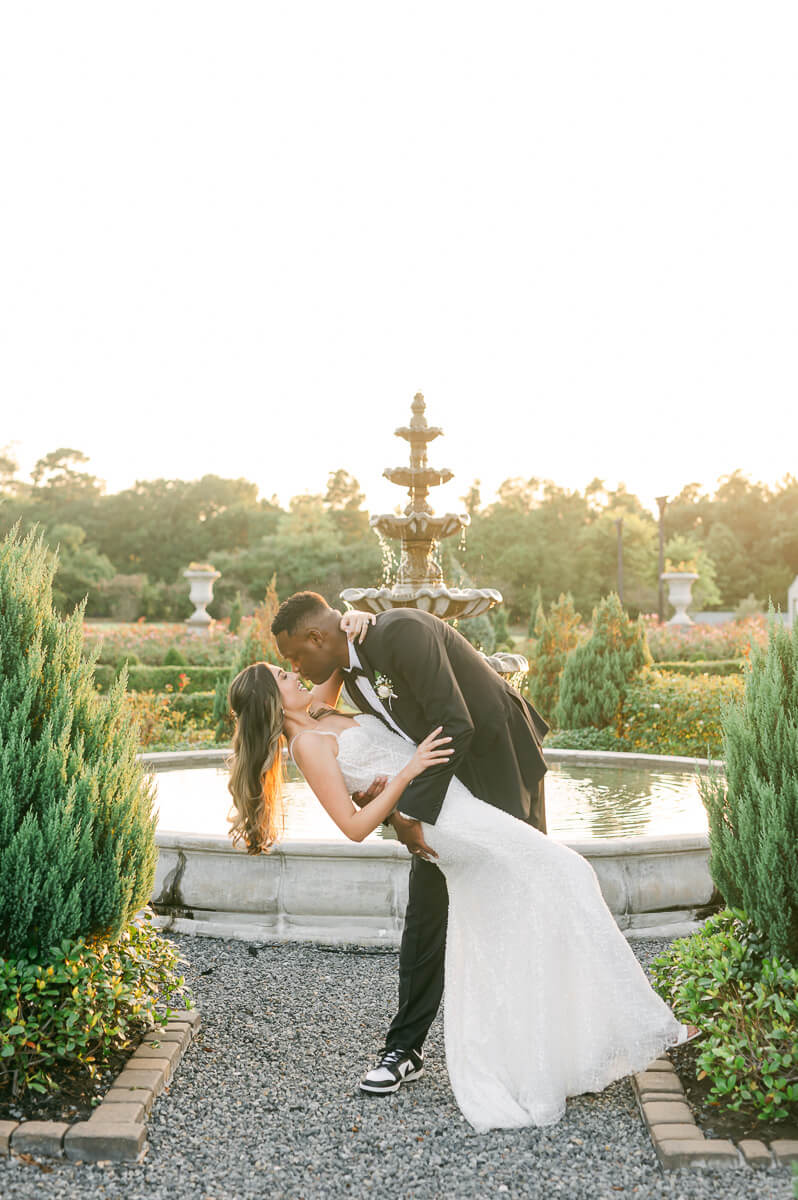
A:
[(355, 625), (316, 759), (327, 693)]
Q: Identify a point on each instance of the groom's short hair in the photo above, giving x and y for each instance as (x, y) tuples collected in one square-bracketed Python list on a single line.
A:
[(294, 611)]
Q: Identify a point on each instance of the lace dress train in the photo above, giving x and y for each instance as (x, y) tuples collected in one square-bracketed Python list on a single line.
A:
[(544, 998)]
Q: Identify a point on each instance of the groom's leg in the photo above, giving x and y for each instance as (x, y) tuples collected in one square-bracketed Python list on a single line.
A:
[(421, 957)]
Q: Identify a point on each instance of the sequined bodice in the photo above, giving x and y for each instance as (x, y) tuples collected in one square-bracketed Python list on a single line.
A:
[(368, 748)]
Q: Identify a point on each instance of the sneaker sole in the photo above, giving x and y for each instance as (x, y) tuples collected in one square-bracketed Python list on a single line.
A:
[(376, 1090)]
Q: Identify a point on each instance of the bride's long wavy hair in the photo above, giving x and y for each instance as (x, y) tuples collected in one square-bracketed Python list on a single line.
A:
[(256, 765)]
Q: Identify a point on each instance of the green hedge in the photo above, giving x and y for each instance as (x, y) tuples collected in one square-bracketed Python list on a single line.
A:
[(588, 738), (677, 714), (157, 679), (198, 705), (718, 666)]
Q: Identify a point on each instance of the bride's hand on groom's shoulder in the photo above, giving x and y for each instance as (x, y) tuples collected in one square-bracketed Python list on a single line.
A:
[(357, 624)]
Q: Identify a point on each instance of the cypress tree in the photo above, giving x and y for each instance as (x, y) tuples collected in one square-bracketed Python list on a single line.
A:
[(557, 635), (534, 610), (501, 630), (753, 810), (597, 673), (77, 831), (236, 612), (479, 632)]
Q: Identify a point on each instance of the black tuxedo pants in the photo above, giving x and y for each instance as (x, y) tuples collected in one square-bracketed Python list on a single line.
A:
[(421, 957), (423, 951)]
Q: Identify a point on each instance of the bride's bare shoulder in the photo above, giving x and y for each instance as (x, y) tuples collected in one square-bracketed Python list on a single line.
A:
[(313, 744)]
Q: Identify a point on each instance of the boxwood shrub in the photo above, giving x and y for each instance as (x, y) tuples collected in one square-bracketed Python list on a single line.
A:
[(588, 738), (198, 705), (67, 1010), (745, 1003)]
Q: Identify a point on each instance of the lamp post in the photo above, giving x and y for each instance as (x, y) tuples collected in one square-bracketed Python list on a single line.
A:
[(661, 502), (619, 527)]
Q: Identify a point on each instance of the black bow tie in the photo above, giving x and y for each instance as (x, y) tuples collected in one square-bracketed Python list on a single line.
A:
[(353, 672)]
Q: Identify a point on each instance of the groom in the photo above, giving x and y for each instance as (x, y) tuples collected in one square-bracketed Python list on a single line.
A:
[(415, 673)]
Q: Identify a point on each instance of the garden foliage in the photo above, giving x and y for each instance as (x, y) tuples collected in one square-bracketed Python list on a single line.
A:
[(77, 846), (65, 1010), (479, 632), (556, 636), (718, 666), (501, 629), (598, 672), (753, 808), (724, 980), (691, 643), (163, 679), (148, 645), (236, 612), (589, 738), (677, 714)]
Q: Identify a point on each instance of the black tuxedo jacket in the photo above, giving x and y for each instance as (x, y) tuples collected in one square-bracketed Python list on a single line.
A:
[(440, 679)]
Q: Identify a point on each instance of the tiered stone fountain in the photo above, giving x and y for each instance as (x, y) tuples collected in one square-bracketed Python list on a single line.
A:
[(419, 580)]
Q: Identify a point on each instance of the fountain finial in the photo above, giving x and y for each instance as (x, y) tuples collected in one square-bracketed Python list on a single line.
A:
[(418, 407)]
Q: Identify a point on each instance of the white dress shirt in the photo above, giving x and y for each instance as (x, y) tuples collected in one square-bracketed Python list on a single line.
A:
[(372, 699)]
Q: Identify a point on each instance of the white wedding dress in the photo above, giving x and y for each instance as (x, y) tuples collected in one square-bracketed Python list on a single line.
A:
[(544, 998)]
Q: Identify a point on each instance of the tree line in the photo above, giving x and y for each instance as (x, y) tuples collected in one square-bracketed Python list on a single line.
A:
[(127, 550)]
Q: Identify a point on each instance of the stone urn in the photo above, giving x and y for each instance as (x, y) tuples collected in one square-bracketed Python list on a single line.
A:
[(680, 589), (202, 577)]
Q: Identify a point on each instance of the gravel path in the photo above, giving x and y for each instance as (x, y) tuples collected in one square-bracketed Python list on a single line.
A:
[(265, 1105)]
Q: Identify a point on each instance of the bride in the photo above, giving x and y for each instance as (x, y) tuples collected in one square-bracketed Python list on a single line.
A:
[(544, 998)]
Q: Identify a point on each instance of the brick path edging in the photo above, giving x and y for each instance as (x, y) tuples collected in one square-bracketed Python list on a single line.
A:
[(678, 1140), (116, 1131)]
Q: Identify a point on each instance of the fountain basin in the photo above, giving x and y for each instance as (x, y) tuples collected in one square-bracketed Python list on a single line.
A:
[(418, 477), (446, 603), (419, 525), (337, 892)]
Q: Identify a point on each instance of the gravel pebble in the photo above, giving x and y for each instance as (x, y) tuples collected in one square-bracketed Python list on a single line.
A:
[(265, 1103)]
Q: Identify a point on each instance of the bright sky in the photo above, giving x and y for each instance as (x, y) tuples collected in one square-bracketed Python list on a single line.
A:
[(236, 238)]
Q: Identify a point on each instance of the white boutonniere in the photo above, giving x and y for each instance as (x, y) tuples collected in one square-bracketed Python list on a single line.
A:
[(384, 688)]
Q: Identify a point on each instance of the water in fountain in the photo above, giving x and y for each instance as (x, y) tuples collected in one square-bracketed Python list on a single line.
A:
[(388, 557)]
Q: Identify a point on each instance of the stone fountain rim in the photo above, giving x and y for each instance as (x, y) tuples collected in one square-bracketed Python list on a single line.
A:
[(620, 758), (641, 843), (426, 590)]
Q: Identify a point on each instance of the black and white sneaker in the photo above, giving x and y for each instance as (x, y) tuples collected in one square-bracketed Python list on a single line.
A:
[(394, 1068)]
